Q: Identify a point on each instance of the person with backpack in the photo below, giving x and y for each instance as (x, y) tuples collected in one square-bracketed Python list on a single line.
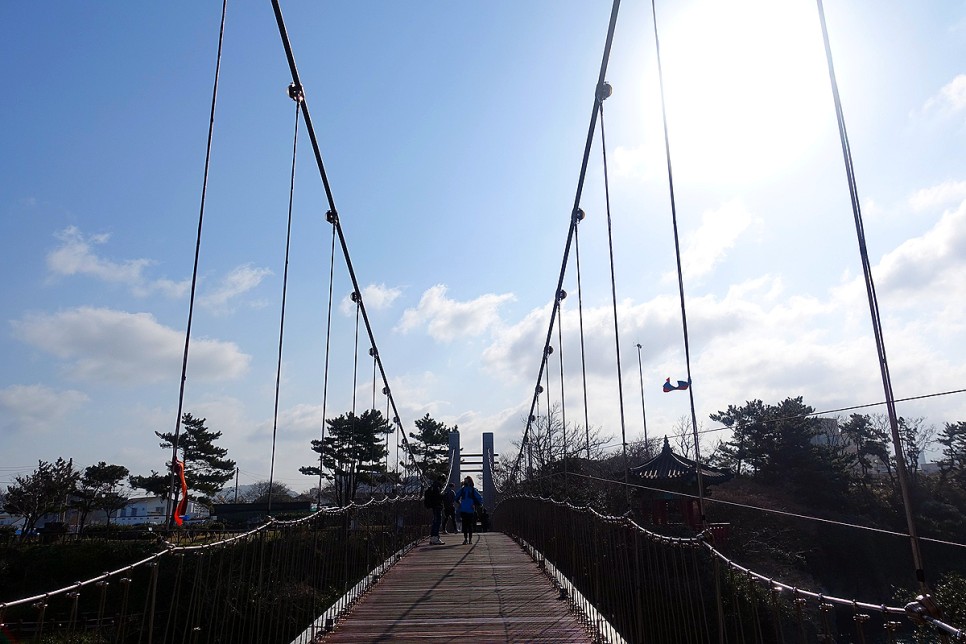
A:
[(469, 499), (433, 500), (449, 508)]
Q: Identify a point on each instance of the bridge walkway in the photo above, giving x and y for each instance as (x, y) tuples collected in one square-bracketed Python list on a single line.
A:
[(489, 591)]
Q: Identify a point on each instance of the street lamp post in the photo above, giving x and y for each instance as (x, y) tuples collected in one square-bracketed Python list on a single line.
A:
[(640, 369)]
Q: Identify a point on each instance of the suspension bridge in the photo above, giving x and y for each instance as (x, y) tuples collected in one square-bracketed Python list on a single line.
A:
[(548, 571)]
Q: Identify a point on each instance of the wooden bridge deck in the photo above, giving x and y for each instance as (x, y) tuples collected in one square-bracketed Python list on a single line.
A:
[(489, 591)]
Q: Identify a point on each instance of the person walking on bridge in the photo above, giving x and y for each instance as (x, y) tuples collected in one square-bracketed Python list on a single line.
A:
[(449, 508), (434, 501), (469, 499)]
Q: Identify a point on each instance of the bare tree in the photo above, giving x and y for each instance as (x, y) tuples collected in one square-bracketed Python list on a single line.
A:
[(46, 491), (552, 450), (258, 492), (683, 437)]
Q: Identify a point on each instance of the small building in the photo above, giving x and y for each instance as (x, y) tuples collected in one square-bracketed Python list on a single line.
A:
[(10, 520), (672, 487), (141, 510)]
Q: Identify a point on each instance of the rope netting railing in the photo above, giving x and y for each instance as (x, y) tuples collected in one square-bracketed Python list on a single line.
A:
[(631, 584), (284, 581)]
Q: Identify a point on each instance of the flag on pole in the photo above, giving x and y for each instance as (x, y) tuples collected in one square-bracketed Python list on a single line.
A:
[(681, 386), (179, 512)]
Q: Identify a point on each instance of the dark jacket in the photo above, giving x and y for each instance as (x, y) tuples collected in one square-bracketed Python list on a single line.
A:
[(435, 497)]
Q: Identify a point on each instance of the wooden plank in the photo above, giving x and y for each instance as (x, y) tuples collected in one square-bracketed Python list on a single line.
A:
[(489, 591)]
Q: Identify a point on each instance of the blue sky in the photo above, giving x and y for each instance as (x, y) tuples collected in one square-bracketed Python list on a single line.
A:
[(452, 135)]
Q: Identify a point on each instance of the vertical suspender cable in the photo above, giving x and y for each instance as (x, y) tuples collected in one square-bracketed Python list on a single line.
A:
[(325, 375), (602, 93), (580, 314), (372, 353), (573, 226), (563, 403), (387, 447), (296, 95), (355, 356), (677, 255), (640, 371), (549, 411), (173, 497), (874, 311), (332, 215)]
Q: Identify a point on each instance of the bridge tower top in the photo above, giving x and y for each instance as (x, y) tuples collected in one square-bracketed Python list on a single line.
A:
[(485, 464)]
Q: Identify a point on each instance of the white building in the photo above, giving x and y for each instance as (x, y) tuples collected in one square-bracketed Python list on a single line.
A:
[(151, 509), (141, 509)]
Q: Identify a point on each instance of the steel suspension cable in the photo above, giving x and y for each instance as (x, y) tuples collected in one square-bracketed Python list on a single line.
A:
[(355, 358), (573, 225), (580, 315), (640, 371), (296, 95), (563, 404), (874, 310), (332, 216), (677, 256), (602, 94), (173, 496), (325, 376), (387, 446), (549, 432), (373, 379)]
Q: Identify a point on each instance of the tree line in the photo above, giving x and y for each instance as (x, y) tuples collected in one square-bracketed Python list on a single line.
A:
[(353, 452), (828, 461)]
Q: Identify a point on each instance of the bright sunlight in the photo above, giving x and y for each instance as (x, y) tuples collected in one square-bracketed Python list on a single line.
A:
[(747, 88)]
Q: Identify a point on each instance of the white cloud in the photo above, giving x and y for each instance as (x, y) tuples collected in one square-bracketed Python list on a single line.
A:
[(950, 99), (709, 244), (934, 260), (300, 424), (446, 320), (938, 196), (238, 281), (871, 209), (376, 297), (379, 297), (37, 407), (106, 345), (75, 256)]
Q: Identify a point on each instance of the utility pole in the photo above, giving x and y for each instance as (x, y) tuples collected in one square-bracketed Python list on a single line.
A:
[(236, 486)]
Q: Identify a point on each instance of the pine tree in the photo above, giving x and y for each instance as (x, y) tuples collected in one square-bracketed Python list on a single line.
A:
[(953, 463), (206, 468), (351, 453), (99, 489), (430, 446)]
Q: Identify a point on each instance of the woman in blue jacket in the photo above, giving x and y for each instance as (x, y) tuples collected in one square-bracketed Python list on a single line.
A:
[(468, 499)]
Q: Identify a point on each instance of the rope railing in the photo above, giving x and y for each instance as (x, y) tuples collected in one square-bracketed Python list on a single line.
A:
[(633, 584), (276, 582)]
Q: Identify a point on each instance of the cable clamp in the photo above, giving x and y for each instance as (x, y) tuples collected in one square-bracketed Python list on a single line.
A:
[(295, 92), (604, 90), (923, 607)]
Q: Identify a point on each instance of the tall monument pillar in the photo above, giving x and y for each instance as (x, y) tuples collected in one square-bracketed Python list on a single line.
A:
[(489, 491)]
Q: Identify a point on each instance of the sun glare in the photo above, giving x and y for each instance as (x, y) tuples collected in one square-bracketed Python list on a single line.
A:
[(746, 87)]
